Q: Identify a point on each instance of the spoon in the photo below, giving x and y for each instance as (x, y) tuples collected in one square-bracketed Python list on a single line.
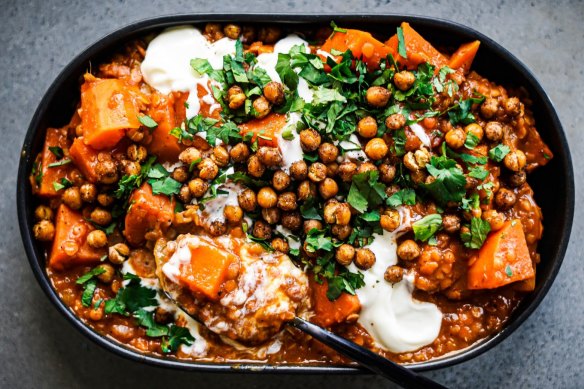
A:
[(364, 357)]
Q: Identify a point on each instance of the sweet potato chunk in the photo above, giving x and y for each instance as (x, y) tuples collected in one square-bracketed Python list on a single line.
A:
[(361, 43), (463, 57), (169, 112), (267, 128), (418, 49), (85, 158), (55, 137), (329, 313)]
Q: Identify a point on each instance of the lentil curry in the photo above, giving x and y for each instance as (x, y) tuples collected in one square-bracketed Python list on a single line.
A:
[(376, 187)]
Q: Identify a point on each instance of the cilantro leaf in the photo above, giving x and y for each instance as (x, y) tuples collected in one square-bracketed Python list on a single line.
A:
[(401, 43), (471, 141), (426, 227), (146, 319), (89, 275), (60, 163), (88, 291), (460, 113), (131, 297), (309, 209), (147, 121), (449, 183), (479, 230), (344, 281), (318, 240), (365, 191), (499, 152), (228, 133), (62, 184), (57, 151), (176, 336), (285, 71), (167, 186), (336, 28), (478, 172), (404, 196)]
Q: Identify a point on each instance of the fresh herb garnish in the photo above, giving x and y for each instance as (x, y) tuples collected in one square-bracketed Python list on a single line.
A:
[(365, 191), (401, 43), (63, 183), (404, 196), (59, 163), (147, 121), (449, 181), (499, 152), (426, 227), (57, 151), (479, 230)]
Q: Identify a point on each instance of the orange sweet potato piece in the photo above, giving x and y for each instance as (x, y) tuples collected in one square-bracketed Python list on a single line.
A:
[(70, 245), (55, 137), (169, 112), (418, 49), (503, 259), (329, 313), (463, 57), (147, 212), (108, 108), (268, 127), (207, 270), (361, 43), (85, 158)]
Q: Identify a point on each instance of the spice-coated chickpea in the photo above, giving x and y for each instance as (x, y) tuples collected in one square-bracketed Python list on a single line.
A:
[(366, 167), (44, 230), (347, 170), (331, 169), (378, 96), (255, 167), (190, 155), (393, 274), (489, 107), (239, 153), (364, 258), (213, 31), (130, 168), (494, 131), (72, 198), (235, 97), (345, 254), (280, 245), (408, 250), (208, 169), (390, 220), (475, 129), (267, 197), (505, 199), (42, 212), (376, 149), (341, 232), (280, 180), (198, 187), (287, 201), (104, 199), (108, 275), (311, 224), (328, 188), (269, 34), (247, 200), (271, 215), (118, 253), (105, 169), (97, 239), (137, 153), (512, 106), (317, 172), (136, 134), (386, 173), (180, 174), (101, 216), (305, 190), (309, 139), (517, 179), (299, 170), (220, 156), (496, 219), (262, 107), (216, 228), (395, 121), (515, 160), (367, 127), (232, 31), (451, 223), (262, 230), (291, 220), (455, 138), (327, 152), (88, 192), (233, 214), (269, 156), (274, 92), (404, 80)]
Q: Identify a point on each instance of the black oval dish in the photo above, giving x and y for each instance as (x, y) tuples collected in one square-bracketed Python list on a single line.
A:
[(556, 197)]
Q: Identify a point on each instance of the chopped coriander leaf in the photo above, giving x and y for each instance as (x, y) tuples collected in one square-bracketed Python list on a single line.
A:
[(167, 186), (336, 28), (401, 43), (309, 209), (89, 275), (37, 172), (88, 291), (404, 196), (471, 203), (365, 191), (57, 151), (146, 319), (317, 240), (479, 229), (228, 133), (499, 152), (238, 177), (371, 216), (60, 163), (426, 227), (285, 71), (147, 121), (472, 159), (460, 113), (287, 134), (176, 336), (449, 183), (344, 281), (131, 297), (509, 271), (471, 141), (478, 172), (62, 184)]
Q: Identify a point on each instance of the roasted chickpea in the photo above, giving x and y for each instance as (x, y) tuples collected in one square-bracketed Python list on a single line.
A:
[(269, 156), (72, 198), (328, 188), (267, 197), (213, 31), (220, 156), (108, 273), (404, 80), (393, 274), (248, 34), (216, 228), (386, 173), (262, 230), (247, 200), (474, 129), (208, 169), (395, 121), (366, 167), (269, 34), (287, 201), (239, 153), (494, 131), (180, 174), (236, 97), (261, 107), (311, 224), (190, 155), (136, 134), (255, 167), (88, 193), (378, 96), (299, 170), (390, 220), (232, 31), (309, 139), (505, 199), (198, 187), (291, 220), (327, 152), (280, 180), (364, 258), (136, 153), (104, 199), (408, 250), (97, 239), (274, 92), (376, 149), (455, 138), (118, 253), (489, 107), (345, 254), (347, 170), (44, 230), (233, 214), (42, 212), (515, 160), (280, 245), (101, 216), (512, 106), (317, 172), (451, 223), (367, 127), (496, 219), (106, 169), (337, 213), (76, 177), (130, 168), (341, 232), (517, 179), (306, 189), (331, 169), (271, 215)]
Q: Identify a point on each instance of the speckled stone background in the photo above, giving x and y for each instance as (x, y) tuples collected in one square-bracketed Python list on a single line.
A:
[(39, 349)]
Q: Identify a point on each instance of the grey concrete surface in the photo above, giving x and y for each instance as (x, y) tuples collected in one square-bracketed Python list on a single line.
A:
[(39, 349)]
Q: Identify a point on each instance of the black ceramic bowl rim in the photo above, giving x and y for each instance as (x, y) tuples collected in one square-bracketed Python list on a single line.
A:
[(25, 200)]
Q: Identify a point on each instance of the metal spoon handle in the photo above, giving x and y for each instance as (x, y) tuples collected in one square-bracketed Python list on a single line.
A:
[(366, 358)]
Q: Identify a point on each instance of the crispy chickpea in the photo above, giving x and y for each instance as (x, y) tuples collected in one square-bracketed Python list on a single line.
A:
[(390, 220), (364, 258), (198, 187), (299, 170), (271, 215), (248, 34), (280, 180), (291, 220), (305, 190), (512, 106), (274, 92), (317, 172), (517, 179), (422, 157), (496, 219), (267, 197), (135, 134), (393, 274), (269, 34), (42, 212), (101, 216), (255, 167), (287, 201), (220, 156), (280, 245), (311, 224), (386, 173), (331, 169), (130, 168), (345, 254), (404, 80), (378, 96), (232, 31), (262, 230), (233, 214), (327, 152), (216, 228), (104, 199), (505, 199), (235, 97), (208, 169), (106, 169), (494, 131), (239, 153), (337, 213), (489, 107), (515, 160), (108, 273), (376, 149), (180, 174), (366, 167), (213, 31), (136, 153), (269, 156), (347, 170), (309, 139), (247, 200), (190, 155), (341, 232), (97, 239), (88, 192), (410, 161), (72, 197), (328, 188), (455, 138), (451, 223), (44, 230), (367, 127), (76, 177), (261, 107), (408, 250), (474, 129), (395, 121), (118, 253)]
